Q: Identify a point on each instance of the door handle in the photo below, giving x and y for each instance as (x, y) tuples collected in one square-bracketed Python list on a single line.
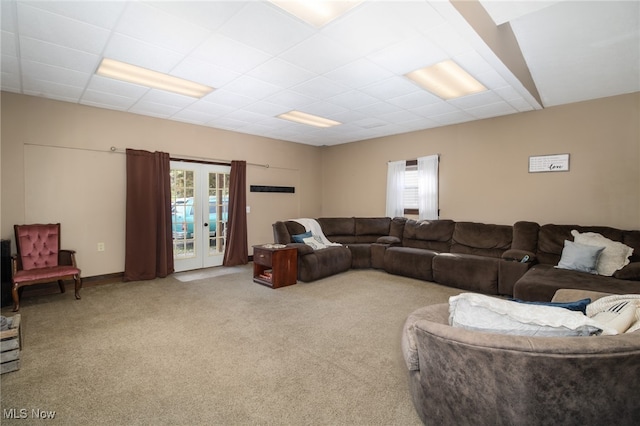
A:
[(206, 224)]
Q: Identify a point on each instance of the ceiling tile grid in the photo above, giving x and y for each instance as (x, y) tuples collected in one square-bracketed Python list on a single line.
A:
[(263, 62)]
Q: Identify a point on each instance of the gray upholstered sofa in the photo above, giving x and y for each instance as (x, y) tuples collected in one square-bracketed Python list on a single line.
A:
[(474, 378), (506, 260)]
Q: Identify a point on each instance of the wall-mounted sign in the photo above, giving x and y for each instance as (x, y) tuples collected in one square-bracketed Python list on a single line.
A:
[(549, 163)]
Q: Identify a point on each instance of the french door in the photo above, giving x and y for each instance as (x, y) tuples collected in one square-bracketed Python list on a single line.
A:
[(199, 212)]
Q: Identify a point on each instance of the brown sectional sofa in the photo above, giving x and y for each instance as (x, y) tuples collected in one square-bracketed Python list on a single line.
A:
[(478, 257)]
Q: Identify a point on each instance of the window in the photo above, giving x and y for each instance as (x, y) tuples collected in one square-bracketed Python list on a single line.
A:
[(410, 194), (412, 188)]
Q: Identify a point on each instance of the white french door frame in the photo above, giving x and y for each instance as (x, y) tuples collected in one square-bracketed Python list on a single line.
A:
[(199, 215)]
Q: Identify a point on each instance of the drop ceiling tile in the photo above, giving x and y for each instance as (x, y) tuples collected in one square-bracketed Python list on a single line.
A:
[(452, 118), (318, 54), (229, 99), (103, 14), (353, 99), (359, 73), (267, 108), (8, 16), (414, 99), (378, 109), (116, 87), (281, 73), (10, 82), (391, 87), (400, 116), (492, 110), (252, 87), (53, 54), (266, 28), (45, 72), (53, 90), (291, 99), (210, 108), (245, 116), (168, 98), (374, 30), (210, 15), (476, 100), (154, 109), (8, 43), (409, 55), (491, 79), (227, 53), (319, 88), (55, 29), (193, 117), (204, 72), (324, 109), (107, 100), (449, 41), (140, 53), (438, 108), (160, 28)]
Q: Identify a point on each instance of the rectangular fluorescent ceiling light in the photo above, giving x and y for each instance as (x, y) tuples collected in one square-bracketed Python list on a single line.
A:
[(446, 80), (308, 119), (145, 77), (317, 12)]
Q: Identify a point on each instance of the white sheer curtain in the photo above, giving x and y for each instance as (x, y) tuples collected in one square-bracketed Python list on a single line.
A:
[(395, 188), (427, 187)]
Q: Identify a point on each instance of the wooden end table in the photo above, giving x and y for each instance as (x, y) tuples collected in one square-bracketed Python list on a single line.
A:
[(275, 266)]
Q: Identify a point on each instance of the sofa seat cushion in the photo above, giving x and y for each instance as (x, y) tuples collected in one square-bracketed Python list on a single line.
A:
[(467, 271), (323, 263), (360, 255), (541, 282), (409, 262)]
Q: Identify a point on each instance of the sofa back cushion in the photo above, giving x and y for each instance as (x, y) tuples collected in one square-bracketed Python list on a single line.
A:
[(338, 229), (632, 239), (551, 239), (525, 236), (369, 229), (428, 234), (481, 239)]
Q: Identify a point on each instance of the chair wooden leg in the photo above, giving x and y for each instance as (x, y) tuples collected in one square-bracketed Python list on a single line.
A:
[(61, 285), (78, 282), (16, 297)]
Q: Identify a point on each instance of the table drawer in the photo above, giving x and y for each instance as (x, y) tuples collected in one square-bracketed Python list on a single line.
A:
[(262, 257)]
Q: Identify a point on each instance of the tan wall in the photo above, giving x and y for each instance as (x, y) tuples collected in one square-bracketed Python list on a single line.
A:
[(484, 167), (56, 167)]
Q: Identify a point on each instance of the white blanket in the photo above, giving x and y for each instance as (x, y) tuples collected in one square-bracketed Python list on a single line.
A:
[(313, 226), (621, 311)]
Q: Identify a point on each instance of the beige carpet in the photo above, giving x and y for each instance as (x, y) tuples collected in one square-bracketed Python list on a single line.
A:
[(219, 351)]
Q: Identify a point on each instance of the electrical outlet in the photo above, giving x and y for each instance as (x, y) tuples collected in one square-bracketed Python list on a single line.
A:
[(100, 246)]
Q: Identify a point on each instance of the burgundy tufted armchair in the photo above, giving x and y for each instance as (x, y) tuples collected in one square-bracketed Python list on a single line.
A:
[(40, 260)]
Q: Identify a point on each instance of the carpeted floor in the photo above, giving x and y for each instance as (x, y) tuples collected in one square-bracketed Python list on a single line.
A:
[(220, 350)]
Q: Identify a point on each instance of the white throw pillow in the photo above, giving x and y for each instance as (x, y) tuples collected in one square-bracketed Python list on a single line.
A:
[(488, 314), (580, 257), (314, 243), (614, 256)]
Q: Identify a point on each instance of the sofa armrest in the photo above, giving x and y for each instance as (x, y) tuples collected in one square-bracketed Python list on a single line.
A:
[(302, 248), (629, 272), (518, 255), (387, 239)]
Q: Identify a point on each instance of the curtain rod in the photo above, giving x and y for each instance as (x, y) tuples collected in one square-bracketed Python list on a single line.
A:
[(123, 151), (192, 158)]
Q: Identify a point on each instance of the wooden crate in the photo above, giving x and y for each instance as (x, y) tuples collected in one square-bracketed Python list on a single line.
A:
[(10, 345)]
